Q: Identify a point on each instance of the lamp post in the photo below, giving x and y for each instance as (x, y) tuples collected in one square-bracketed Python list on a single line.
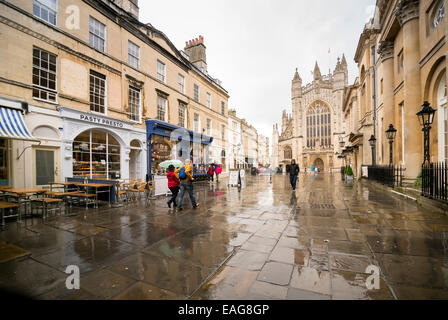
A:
[(426, 118), (390, 134), (372, 142)]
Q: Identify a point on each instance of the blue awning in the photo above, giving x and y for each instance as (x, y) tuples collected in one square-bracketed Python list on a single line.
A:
[(13, 126)]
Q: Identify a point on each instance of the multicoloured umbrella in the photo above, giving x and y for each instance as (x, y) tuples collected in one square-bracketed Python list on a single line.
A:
[(175, 163)]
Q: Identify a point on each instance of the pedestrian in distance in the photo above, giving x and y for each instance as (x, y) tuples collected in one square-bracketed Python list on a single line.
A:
[(294, 171), (211, 173), (218, 171), (185, 175), (173, 185)]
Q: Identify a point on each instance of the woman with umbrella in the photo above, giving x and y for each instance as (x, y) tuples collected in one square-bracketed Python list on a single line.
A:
[(173, 180)]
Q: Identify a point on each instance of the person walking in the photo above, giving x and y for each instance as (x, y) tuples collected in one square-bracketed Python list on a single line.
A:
[(173, 185), (185, 175), (211, 172), (294, 171), (218, 172)]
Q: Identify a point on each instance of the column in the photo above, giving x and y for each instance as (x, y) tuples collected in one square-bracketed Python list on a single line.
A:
[(408, 15), (386, 51)]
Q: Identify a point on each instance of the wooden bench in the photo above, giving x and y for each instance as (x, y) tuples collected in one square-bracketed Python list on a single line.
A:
[(8, 205), (89, 198), (45, 204)]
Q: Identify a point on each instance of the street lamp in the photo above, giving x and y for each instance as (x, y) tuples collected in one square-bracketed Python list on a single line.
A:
[(426, 118), (390, 134), (372, 141)]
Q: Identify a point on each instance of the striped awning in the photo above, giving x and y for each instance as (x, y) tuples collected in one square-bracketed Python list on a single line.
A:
[(13, 126)]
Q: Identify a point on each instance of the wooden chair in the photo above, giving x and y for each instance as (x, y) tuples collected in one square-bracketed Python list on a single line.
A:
[(137, 191)]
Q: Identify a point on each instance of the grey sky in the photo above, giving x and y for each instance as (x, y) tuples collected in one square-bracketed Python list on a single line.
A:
[(254, 46)]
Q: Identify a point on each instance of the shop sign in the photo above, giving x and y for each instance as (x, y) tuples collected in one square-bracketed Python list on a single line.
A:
[(98, 120)]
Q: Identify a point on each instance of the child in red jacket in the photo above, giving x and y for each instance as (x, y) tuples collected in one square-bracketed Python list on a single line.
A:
[(173, 184)]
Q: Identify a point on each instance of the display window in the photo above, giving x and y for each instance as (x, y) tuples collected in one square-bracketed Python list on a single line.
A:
[(96, 155)]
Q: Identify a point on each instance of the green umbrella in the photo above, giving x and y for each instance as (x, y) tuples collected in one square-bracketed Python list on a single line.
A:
[(175, 163)]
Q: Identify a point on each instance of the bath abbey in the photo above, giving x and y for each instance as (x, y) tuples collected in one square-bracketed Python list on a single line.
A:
[(311, 133)]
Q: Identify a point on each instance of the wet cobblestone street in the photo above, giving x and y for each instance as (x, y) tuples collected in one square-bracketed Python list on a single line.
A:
[(263, 242)]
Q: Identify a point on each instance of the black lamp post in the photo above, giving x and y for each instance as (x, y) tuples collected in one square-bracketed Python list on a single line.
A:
[(426, 118), (390, 134), (372, 141)]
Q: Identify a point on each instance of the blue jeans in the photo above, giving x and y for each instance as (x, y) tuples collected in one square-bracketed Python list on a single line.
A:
[(293, 180), (188, 187)]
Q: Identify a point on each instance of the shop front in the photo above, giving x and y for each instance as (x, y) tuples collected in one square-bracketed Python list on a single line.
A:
[(101, 148), (168, 142)]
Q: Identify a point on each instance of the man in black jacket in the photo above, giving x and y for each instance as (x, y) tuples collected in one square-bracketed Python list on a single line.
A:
[(294, 171)]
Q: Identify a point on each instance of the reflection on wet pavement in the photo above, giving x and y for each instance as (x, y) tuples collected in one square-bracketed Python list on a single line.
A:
[(262, 242)]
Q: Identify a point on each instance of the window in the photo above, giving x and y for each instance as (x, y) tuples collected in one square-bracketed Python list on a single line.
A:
[(288, 153), (223, 132), (209, 100), (96, 154), (234, 125), (223, 108), (181, 81), (439, 14), (318, 126), (46, 10), (400, 61), (161, 108), (97, 92), (161, 71), (382, 86), (134, 104), (196, 123), (44, 75), (182, 111), (4, 163), (196, 93), (97, 35), (209, 127), (133, 54)]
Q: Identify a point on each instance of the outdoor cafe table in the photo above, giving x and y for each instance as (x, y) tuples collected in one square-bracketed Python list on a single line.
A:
[(96, 186), (25, 192), (63, 184), (7, 205)]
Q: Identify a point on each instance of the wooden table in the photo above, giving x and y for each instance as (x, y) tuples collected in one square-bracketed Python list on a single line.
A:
[(25, 193), (8, 205), (97, 186), (63, 184)]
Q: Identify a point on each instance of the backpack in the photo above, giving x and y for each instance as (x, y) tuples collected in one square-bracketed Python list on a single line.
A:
[(218, 170), (182, 174)]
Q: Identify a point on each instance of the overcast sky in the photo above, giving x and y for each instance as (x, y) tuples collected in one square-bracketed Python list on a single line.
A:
[(254, 46)]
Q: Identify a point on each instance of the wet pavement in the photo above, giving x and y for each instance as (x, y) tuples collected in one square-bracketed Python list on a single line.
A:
[(260, 242)]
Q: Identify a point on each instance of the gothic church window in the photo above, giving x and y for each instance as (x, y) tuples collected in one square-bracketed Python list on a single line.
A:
[(318, 126)]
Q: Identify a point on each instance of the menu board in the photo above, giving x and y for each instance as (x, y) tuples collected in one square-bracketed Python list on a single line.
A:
[(233, 179), (161, 186)]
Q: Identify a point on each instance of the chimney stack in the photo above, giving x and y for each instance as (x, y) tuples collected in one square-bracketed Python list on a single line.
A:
[(196, 50)]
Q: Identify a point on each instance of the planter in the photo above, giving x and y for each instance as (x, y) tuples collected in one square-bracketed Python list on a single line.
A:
[(349, 179)]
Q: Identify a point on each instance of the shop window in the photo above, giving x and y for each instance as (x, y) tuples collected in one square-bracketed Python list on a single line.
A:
[(161, 148), (134, 104), (4, 163), (44, 75), (46, 10), (97, 92), (96, 154)]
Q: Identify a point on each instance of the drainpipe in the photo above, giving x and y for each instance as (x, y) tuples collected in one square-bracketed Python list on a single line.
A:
[(373, 48)]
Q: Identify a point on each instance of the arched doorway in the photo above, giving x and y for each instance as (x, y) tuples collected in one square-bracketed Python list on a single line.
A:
[(318, 163), (135, 162)]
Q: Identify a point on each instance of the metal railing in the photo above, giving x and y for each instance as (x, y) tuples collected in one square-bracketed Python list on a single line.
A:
[(434, 181), (391, 175)]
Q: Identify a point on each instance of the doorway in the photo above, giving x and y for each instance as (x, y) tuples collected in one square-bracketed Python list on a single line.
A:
[(318, 163), (46, 166), (135, 162)]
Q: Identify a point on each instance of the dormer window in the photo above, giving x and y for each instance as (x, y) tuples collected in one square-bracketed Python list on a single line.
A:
[(439, 13)]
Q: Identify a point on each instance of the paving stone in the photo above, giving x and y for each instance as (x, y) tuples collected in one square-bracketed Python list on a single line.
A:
[(283, 254), (269, 290), (248, 260), (276, 273), (295, 294), (309, 279)]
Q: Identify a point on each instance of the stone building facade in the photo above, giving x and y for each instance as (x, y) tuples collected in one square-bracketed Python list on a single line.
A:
[(311, 133), (85, 76), (401, 57)]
